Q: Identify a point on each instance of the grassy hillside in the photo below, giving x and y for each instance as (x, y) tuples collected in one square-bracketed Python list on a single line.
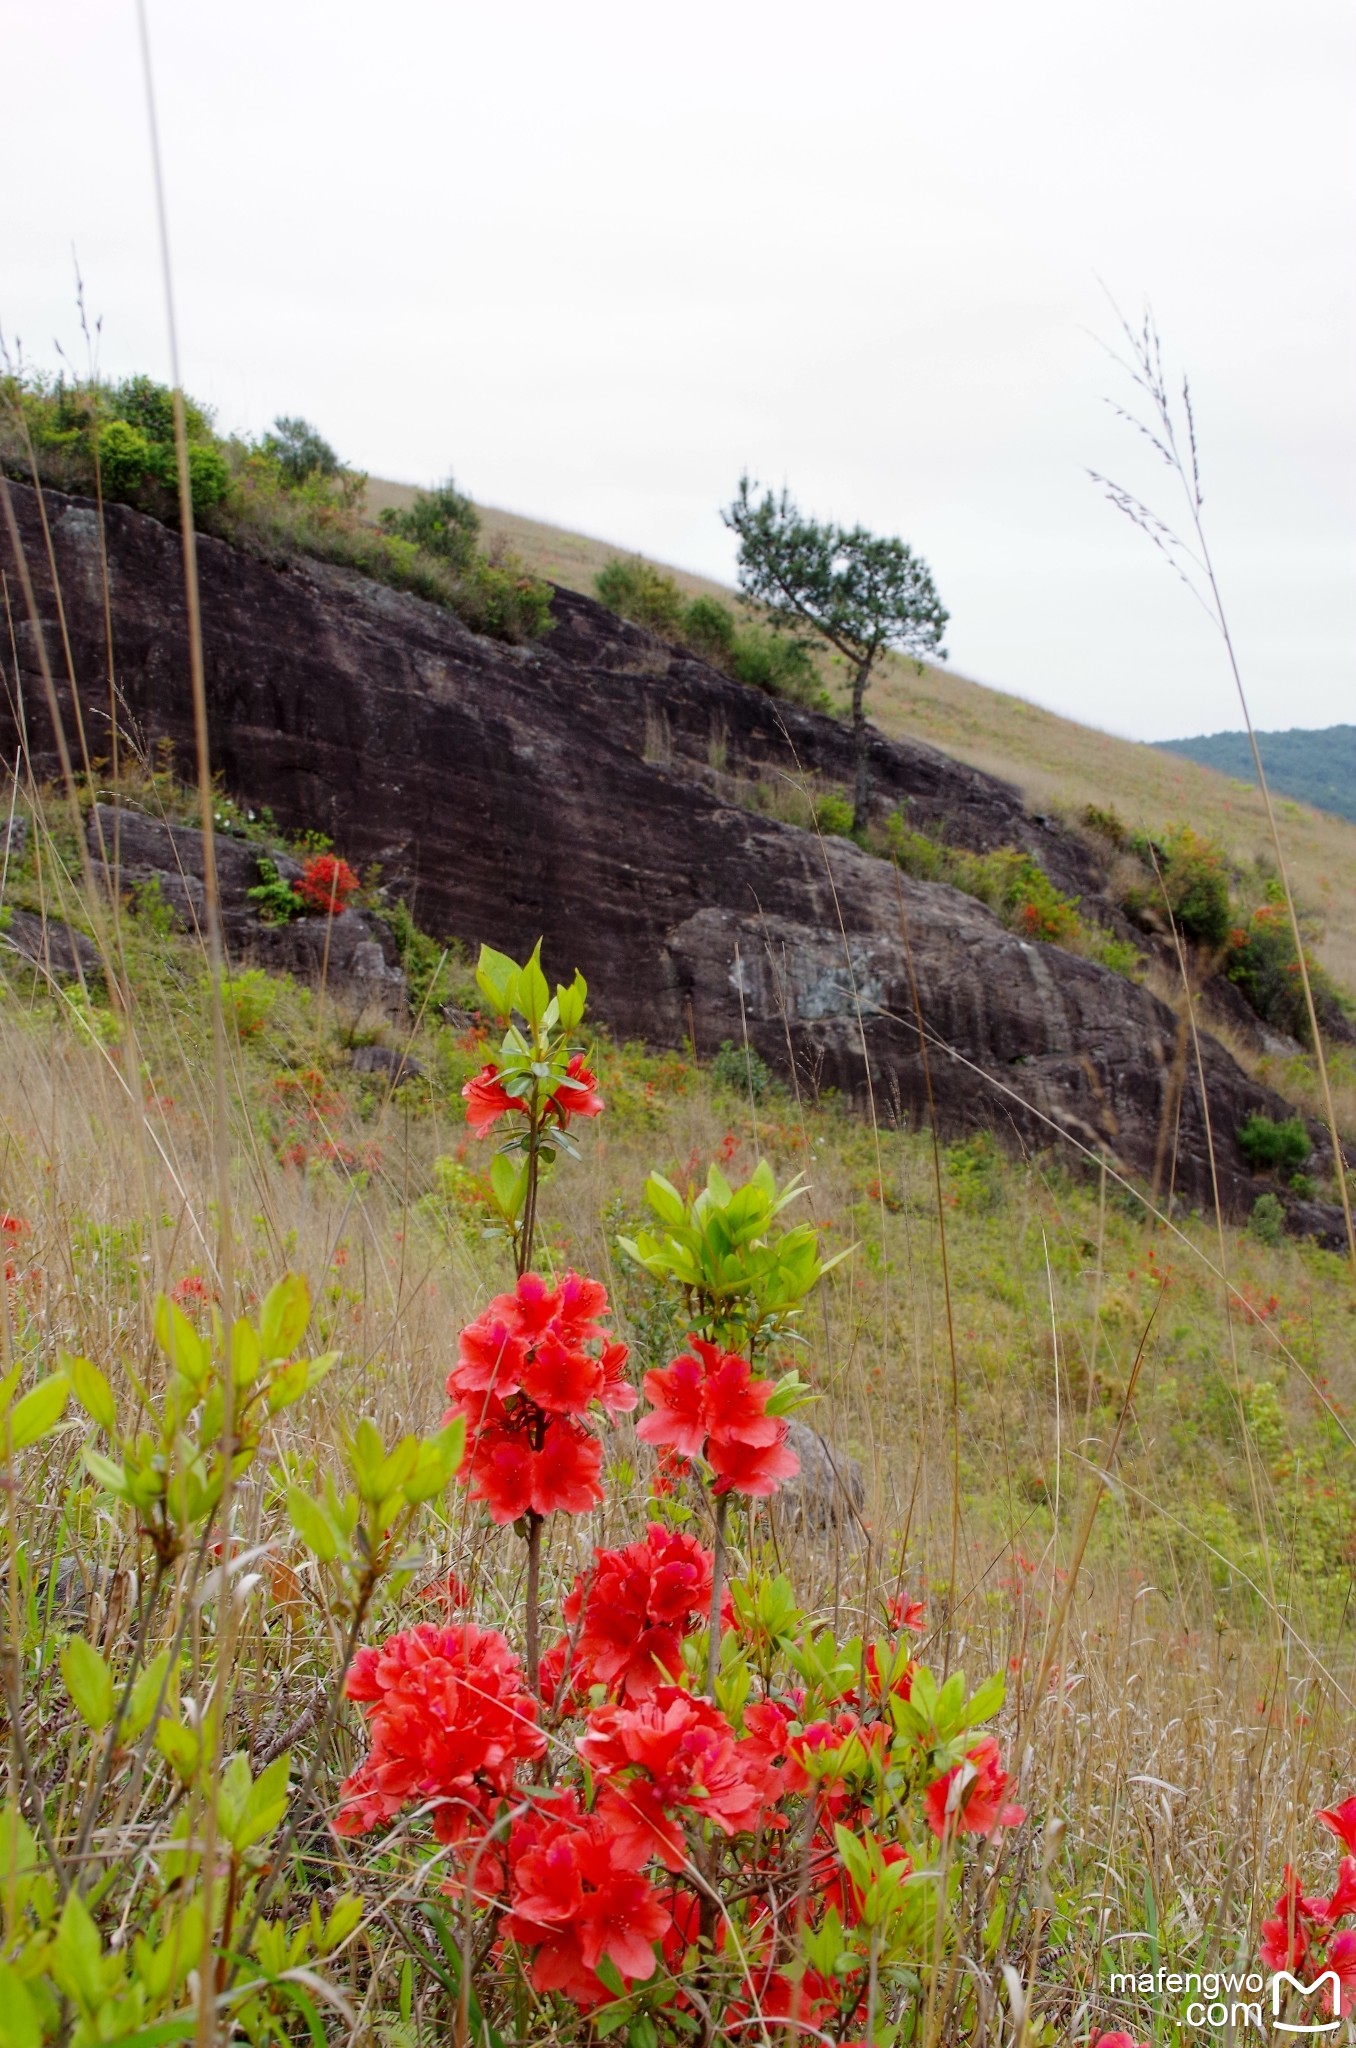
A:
[(1175, 1638), (1057, 763), (1316, 766)]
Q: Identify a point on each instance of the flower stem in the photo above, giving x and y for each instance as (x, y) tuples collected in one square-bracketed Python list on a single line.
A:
[(533, 1616), (717, 1577)]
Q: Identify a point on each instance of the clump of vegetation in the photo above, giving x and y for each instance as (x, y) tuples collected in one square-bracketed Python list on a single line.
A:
[(1270, 1146), (1015, 886), (742, 1070), (750, 652), (1267, 1222), (283, 495), (1237, 920)]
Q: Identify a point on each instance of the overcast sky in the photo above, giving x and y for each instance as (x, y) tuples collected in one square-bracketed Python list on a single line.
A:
[(598, 259)]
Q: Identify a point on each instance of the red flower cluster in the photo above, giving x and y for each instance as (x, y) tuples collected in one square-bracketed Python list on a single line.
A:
[(577, 1898), (487, 1099), (449, 1719), (326, 883), (969, 1800), (708, 1403), (1303, 1933), (671, 1756), (638, 1605), (525, 1376)]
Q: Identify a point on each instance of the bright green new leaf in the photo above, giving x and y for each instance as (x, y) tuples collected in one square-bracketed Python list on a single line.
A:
[(180, 1342), (312, 1524), (497, 980), (508, 1182), (180, 1746), (30, 1419), (985, 1700), (93, 1392), (19, 2023), (253, 1810), (78, 1956), (89, 1683), (284, 1316), (145, 1696), (106, 1472), (534, 991), (247, 1358)]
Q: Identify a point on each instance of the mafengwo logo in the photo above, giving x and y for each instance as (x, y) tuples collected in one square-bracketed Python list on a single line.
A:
[(1230, 2002)]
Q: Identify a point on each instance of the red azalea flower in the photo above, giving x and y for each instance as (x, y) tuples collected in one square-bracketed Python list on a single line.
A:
[(636, 1609), (1285, 1938), (1342, 1822), (518, 1460), (708, 1403), (487, 1100), (448, 1718), (326, 883), (1343, 1900), (673, 1753), (968, 1800), (906, 1613), (1341, 1956), (582, 1099), (576, 1900), (742, 1467), (12, 1226), (1118, 2040)]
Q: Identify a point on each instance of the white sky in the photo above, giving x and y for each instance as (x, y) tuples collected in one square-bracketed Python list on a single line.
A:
[(598, 259)]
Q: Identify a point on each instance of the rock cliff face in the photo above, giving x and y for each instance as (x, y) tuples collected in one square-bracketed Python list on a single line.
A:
[(582, 788)]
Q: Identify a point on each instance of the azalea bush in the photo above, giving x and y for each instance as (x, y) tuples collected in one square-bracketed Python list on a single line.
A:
[(643, 1794)]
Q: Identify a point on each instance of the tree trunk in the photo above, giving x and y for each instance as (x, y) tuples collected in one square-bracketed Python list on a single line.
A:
[(861, 796)]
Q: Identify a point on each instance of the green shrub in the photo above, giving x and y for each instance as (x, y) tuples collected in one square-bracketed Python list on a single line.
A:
[(636, 590), (1190, 876), (300, 450), (1267, 1221), (770, 662), (1263, 963), (709, 629), (1272, 1147), (248, 997), (833, 814), (125, 459), (740, 1069), (277, 901), (443, 522)]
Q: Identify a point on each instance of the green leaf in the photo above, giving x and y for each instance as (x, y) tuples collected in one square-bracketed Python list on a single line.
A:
[(985, 1700), (31, 1418), (534, 991), (93, 1393), (284, 1316), (439, 1457), (264, 1805), (312, 1524), (89, 1683), (180, 1746), (508, 1183), (107, 1473), (497, 980), (145, 1695), (19, 2023), (180, 1342), (78, 1955)]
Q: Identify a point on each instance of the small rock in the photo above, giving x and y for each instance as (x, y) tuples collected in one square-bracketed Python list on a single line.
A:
[(830, 1486), (381, 1059), (49, 945)]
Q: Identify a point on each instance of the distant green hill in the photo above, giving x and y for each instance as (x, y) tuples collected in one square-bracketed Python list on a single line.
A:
[(1317, 767)]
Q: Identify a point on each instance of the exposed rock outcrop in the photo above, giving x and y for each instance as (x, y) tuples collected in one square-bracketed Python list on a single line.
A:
[(568, 788)]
